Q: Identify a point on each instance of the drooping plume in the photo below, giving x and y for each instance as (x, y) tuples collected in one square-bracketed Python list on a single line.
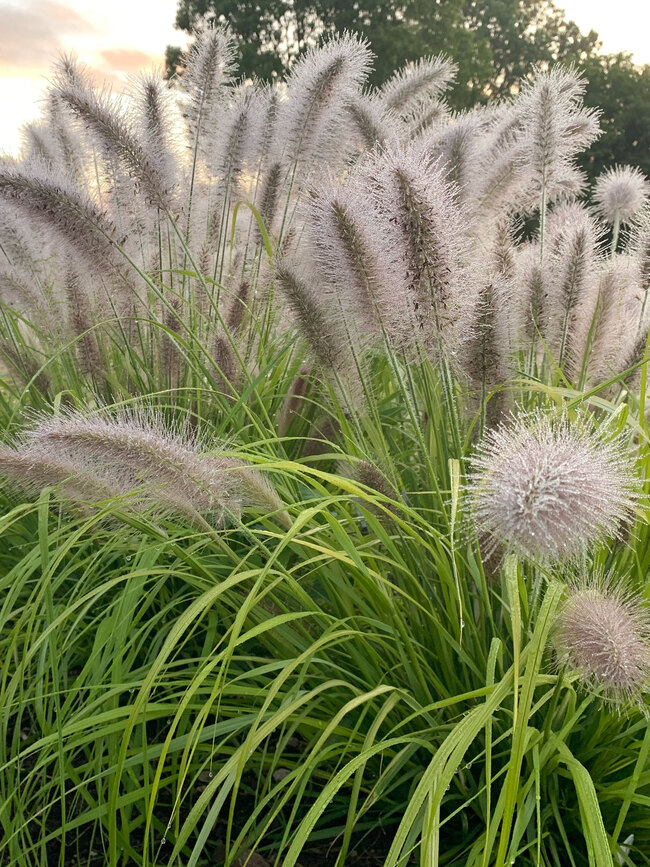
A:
[(135, 457), (58, 206)]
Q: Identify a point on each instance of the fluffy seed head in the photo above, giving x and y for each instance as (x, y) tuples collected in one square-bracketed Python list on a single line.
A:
[(210, 64), (548, 489), (554, 127), (423, 226), (321, 81), (603, 634), (621, 193), (135, 455), (417, 82)]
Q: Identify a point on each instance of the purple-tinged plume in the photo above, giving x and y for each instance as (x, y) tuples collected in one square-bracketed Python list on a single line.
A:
[(603, 634), (548, 489), (313, 119), (424, 230), (135, 456)]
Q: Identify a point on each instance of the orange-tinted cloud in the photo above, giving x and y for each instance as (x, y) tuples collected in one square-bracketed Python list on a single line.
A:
[(31, 34), (118, 62), (127, 59)]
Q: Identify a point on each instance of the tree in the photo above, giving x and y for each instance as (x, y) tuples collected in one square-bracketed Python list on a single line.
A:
[(272, 33), (622, 90), (496, 44)]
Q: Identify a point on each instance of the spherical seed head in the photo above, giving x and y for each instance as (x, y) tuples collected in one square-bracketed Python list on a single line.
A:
[(621, 192), (602, 634), (547, 489)]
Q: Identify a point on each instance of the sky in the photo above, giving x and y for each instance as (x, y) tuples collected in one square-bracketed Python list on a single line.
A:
[(120, 37)]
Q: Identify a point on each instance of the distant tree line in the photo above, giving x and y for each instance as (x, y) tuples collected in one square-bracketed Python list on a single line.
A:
[(495, 44)]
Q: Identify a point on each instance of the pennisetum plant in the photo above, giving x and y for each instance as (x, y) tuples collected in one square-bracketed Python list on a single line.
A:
[(408, 320)]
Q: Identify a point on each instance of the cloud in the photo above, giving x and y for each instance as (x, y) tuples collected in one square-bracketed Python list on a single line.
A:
[(30, 35), (127, 59)]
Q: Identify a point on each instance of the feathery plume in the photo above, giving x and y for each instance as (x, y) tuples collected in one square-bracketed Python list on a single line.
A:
[(348, 248), (33, 469), (621, 193), (499, 179), (80, 323), (230, 141), (457, 148), (39, 144), (424, 229), (547, 489), (615, 322), (554, 127), (58, 206), (117, 455), (70, 145), (210, 66), (486, 356), (154, 124), (101, 115), (530, 310), (602, 633), (327, 336), (371, 120), (428, 119), (321, 81), (416, 82), (573, 289), (313, 322), (269, 195)]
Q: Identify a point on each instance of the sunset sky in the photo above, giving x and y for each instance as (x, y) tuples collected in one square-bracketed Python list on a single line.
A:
[(118, 37)]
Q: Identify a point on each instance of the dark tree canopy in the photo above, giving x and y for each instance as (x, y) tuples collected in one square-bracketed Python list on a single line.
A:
[(495, 43), (622, 90)]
